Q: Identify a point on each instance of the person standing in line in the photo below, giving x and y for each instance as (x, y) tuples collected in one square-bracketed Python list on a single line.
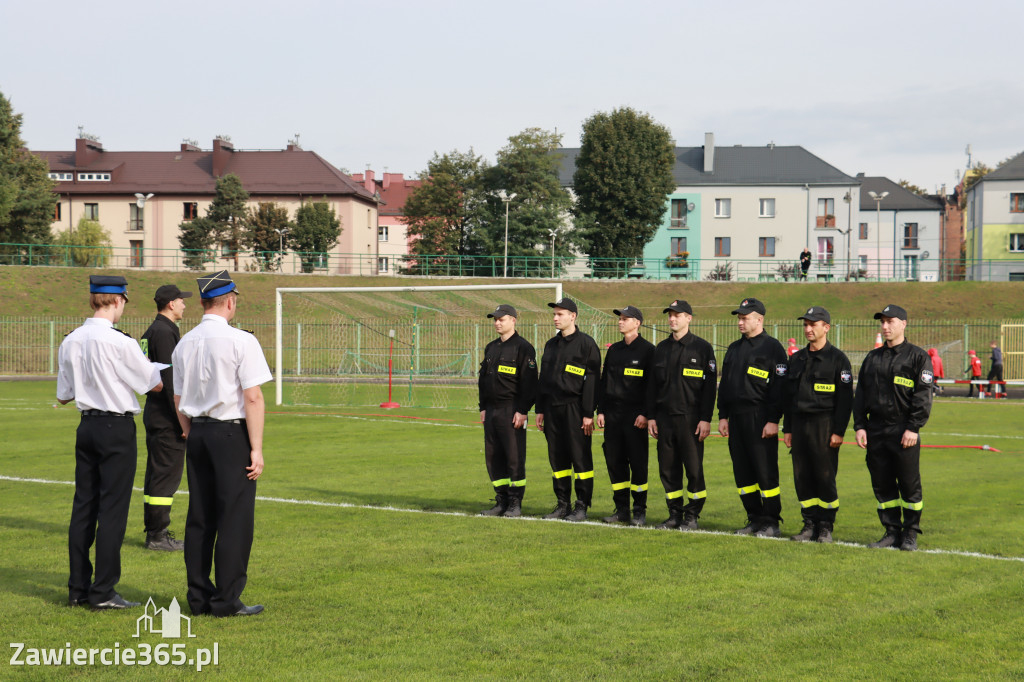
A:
[(890, 407), (165, 445), (569, 371), (101, 368), (996, 373), (507, 388), (818, 399), (681, 404), (621, 412), (974, 373), (218, 371), (940, 372), (805, 262), (749, 410)]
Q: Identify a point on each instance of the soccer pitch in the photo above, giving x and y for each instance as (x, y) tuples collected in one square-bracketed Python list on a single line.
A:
[(373, 565)]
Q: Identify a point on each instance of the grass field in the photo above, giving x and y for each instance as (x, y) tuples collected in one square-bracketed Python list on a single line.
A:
[(372, 564)]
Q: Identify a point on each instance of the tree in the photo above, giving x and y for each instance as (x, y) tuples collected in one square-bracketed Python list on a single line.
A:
[(262, 235), (225, 221), (27, 199), (623, 174), (88, 245), (910, 187), (316, 231), (196, 238)]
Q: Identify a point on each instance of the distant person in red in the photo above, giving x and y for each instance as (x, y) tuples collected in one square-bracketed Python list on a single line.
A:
[(791, 348), (974, 372), (937, 369)]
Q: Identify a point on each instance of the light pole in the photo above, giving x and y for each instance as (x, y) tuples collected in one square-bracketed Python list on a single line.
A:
[(507, 198), (281, 233), (878, 229), (849, 226), (553, 233)]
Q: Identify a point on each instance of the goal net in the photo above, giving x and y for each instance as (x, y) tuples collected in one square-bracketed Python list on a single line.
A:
[(334, 345)]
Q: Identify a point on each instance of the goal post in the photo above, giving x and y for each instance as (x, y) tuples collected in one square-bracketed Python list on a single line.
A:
[(501, 294)]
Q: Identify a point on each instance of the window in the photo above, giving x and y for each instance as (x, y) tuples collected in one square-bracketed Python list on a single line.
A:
[(225, 250), (723, 208), (862, 231), (134, 217), (92, 211), (679, 212), (910, 267), (1017, 203), (767, 208), (382, 265), (56, 212), (190, 209), (678, 245), (723, 246), (1017, 276), (863, 260), (61, 177), (910, 235), (1017, 242), (136, 253), (766, 247), (826, 213), (382, 233), (320, 261), (826, 250), (94, 177)]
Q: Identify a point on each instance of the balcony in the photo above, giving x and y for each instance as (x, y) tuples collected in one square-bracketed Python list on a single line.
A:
[(136, 225), (825, 221)]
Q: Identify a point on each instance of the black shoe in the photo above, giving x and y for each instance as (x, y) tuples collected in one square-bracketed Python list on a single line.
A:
[(807, 534), (909, 543), (769, 530), (164, 541), (72, 602), (689, 522), (515, 508), (116, 602), (620, 516), (673, 522), (750, 529), (559, 512), (890, 539), (639, 518), (579, 513), (499, 508), (245, 611), (825, 533)]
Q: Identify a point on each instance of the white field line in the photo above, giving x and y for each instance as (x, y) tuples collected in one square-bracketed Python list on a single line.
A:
[(529, 519)]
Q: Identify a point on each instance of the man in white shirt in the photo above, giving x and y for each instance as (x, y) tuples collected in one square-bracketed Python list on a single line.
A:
[(101, 368), (218, 370)]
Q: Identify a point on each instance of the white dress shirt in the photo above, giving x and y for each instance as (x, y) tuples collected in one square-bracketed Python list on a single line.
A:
[(213, 364), (102, 369)]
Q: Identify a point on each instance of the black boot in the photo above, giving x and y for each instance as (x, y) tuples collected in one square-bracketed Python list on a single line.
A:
[(621, 515), (673, 522), (807, 534), (515, 507), (560, 511), (639, 517), (689, 521), (890, 539), (753, 525), (769, 529), (579, 513), (500, 505), (824, 532), (909, 540), (164, 541)]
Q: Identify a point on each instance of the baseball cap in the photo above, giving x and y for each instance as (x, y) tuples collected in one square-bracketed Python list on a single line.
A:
[(503, 310), (750, 305), (678, 306), (816, 313), (566, 303), (892, 311), (630, 311), (168, 293)]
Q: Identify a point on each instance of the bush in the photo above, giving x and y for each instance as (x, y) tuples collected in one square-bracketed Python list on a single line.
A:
[(88, 245)]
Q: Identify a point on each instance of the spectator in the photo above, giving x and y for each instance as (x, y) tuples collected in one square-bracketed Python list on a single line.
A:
[(973, 372), (996, 373), (805, 262), (936, 369)]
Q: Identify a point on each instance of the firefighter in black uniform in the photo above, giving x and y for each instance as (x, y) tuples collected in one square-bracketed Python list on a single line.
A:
[(749, 410), (891, 405), (621, 412), (165, 444), (818, 399), (508, 388), (569, 371), (681, 403)]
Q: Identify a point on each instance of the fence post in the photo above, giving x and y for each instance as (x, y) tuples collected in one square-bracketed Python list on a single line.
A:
[(476, 345), (52, 348), (298, 348), (359, 344)]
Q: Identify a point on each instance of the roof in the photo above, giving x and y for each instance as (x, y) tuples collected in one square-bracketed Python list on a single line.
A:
[(394, 191), (1011, 170), (899, 198), (738, 165)]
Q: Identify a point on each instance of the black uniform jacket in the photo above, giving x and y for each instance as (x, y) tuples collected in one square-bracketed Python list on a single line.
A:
[(819, 382), (685, 378), (752, 374), (158, 343), (624, 379), (894, 387), (508, 373), (569, 371)]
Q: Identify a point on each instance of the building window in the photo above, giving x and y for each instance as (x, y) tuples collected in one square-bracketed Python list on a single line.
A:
[(678, 246), (767, 208), (320, 261), (826, 213), (136, 253), (382, 233), (92, 211), (723, 208), (382, 265), (826, 250), (723, 246), (910, 267), (62, 177), (225, 250), (863, 260), (1017, 242), (56, 212), (910, 235), (679, 212), (862, 231), (94, 177), (191, 208), (766, 247), (134, 217), (1017, 203)]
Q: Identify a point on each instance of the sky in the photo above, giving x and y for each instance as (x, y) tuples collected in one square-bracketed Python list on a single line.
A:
[(897, 88)]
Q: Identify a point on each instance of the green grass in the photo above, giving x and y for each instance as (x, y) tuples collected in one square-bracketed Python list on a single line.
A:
[(376, 593)]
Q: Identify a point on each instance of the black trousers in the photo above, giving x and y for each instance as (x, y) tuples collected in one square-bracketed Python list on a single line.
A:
[(105, 461), (995, 374), (679, 450), (895, 477), (165, 462), (755, 465), (626, 454), (569, 453), (221, 509), (815, 465), (505, 452)]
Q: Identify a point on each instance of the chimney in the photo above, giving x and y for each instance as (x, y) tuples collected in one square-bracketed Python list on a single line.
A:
[(387, 179), (368, 181), (222, 150), (189, 147), (709, 152), (87, 151), (293, 148)]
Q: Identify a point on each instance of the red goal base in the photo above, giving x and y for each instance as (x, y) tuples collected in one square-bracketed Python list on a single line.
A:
[(390, 406)]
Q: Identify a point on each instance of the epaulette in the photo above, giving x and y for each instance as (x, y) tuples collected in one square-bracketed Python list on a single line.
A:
[(124, 332), (66, 333), (249, 330)]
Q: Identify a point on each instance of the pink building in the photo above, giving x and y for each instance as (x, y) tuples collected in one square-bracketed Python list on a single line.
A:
[(392, 239)]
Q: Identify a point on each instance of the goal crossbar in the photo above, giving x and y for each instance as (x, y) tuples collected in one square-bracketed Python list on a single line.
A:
[(279, 306)]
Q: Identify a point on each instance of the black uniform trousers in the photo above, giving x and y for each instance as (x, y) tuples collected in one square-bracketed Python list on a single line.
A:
[(221, 510), (165, 463), (895, 477), (505, 452), (626, 454), (679, 450), (815, 465), (569, 453), (755, 465), (105, 461)]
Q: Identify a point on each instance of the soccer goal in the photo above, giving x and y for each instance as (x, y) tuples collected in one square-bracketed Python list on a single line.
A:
[(333, 345)]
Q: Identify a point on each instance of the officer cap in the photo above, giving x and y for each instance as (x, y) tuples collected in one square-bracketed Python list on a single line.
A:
[(566, 303), (108, 284), (503, 310), (217, 284), (630, 311), (750, 305), (892, 311), (816, 313), (168, 293), (678, 306)]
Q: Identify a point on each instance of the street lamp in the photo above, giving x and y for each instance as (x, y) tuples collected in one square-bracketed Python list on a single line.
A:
[(849, 226), (553, 234), (878, 229), (281, 233), (507, 198)]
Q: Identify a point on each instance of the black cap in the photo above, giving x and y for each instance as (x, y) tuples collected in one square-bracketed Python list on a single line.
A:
[(503, 310), (816, 313), (750, 305), (630, 311), (678, 306), (217, 284), (168, 293), (108, 284), (892, 311), (565, 302)]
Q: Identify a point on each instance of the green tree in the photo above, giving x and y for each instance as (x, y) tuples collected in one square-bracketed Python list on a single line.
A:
[(910, 187), (262, 234), (316, 231), (88, 245), (623, 174), (225, 222), (196, 238), (27, 199)]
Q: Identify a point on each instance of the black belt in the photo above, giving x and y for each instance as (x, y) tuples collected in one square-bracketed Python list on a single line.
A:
[(104, 413), (211, 420)]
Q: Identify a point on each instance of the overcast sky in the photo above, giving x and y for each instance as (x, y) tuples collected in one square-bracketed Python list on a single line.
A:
[(896, 88)]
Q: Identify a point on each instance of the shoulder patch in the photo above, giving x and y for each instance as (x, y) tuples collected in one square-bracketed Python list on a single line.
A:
[(781, 370), (711, 365), (846, 376), (927, 377)]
